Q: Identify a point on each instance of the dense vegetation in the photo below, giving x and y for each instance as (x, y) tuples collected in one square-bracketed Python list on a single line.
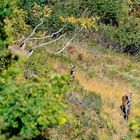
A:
[(38, 97), (118, 20)]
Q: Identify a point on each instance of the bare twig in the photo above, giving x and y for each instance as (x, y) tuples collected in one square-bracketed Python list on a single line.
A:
[(34, 30), (66, 44), (19, 40), (45, 37), (47, 43)]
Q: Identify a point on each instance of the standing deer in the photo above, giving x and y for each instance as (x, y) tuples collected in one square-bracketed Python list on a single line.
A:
[(126, 105), (72, 71)]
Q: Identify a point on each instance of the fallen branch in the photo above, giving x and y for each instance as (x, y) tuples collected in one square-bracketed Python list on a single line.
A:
[(34, 30), (24, 40), (45, 37), (47, 43), (40, 38), (66, 44)]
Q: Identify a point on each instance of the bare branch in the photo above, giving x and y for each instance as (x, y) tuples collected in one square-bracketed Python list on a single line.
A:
[(34, 30), (47, 43), (31, 33), (45, 37), (66, 44), (19, 40)]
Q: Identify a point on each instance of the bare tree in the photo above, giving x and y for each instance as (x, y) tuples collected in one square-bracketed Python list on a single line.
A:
[(21, 49)]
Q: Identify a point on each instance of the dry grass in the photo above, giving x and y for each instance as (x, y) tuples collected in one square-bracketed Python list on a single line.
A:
[(113, 76), (111, 95)]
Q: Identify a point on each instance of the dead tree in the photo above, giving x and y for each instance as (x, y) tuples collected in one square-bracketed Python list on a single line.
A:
[(126, 105), (21, 50), (19, 46)]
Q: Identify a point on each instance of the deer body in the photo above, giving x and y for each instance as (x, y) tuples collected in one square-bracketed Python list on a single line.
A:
[(126, 105), (20, 51)]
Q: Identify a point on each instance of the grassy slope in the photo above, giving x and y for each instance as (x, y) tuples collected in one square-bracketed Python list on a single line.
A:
[(109, 74), (114, 75)]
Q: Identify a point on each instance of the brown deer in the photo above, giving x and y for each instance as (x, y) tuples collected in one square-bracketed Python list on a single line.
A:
[(126, 105), (19, 50)]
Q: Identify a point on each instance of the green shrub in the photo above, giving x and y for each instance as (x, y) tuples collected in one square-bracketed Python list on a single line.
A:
[(128, 32), (108, 10), (93, 101), (5, 11), (125, 36), (31, 107), (135, 127), (5, 57), (59, 8)]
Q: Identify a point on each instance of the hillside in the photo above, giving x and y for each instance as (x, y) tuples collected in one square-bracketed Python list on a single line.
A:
[(93, 75), (64, 68)]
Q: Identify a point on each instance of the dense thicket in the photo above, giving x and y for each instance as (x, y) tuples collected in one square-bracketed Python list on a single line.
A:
[(5, 57), (119, 21)]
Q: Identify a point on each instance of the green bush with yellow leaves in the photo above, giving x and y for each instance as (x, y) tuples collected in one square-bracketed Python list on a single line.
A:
[(30, 107)]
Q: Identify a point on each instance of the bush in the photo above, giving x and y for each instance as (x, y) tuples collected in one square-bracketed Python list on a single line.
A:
[(93, 101), (84, 116), (109, 10), (5, 57), (5, 11), (126, 35), (59, 8), (18, 23), (32, 107), (135, 127)]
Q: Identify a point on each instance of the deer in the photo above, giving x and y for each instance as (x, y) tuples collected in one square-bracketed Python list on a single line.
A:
[(20, 50), (126, 105), (72, 70)]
